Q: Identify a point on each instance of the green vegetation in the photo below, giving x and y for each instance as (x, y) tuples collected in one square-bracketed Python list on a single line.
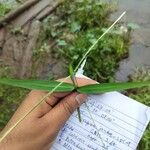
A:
[(4, 8), (74, 28), (7, 5), (10, 98)]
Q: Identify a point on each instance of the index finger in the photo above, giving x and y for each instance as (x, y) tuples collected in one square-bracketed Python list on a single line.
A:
[(80, 81)]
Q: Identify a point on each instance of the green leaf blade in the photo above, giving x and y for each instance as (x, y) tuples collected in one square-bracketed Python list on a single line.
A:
[(45, 85), (109, 87)]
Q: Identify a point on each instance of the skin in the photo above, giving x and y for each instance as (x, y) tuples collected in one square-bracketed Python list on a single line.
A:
[(39, 130)]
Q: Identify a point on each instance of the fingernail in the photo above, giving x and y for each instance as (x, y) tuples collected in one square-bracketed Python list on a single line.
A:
[(81, 98)]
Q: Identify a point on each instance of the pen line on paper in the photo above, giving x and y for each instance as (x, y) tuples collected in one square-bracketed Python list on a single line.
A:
[(120, 127), (125, 114), (112, 130), (120, 118)]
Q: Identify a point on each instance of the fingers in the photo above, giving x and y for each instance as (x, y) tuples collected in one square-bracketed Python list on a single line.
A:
[(53, 99), (80, 81), (48, 103), (33, 98), (63, 110)]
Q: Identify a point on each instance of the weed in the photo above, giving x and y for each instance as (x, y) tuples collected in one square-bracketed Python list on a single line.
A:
[(4, 8), (75, 26), (7, 5)]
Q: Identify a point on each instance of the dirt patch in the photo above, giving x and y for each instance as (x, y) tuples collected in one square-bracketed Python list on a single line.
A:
[(19, 38)]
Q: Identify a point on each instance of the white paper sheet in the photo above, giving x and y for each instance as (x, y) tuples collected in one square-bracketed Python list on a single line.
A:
[(115, 122)]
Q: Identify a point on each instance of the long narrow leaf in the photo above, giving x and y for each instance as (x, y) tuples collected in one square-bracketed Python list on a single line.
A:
[(38, 84), (108, 87)]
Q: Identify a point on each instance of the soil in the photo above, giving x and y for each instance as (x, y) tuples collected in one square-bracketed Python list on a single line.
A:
[(18, 39)]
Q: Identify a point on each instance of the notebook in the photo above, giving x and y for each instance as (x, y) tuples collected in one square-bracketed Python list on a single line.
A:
[(110, 121)]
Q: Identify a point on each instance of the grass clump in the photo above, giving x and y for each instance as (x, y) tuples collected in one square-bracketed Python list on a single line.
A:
[(75, 26), (142, 95), (103, 60), (7, 5), (4, 8)]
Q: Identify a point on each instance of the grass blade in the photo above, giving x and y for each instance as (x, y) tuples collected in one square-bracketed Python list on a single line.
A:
[(45, 85), (108, 87), (91, 48)]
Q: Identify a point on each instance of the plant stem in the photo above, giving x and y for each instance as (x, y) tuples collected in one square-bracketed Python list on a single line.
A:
[(79, 114), (91, 48)]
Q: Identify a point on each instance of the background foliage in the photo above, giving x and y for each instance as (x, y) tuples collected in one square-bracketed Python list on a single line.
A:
[(76, 26)]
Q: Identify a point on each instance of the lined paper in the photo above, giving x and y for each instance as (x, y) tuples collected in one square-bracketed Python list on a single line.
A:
[(110, 121)]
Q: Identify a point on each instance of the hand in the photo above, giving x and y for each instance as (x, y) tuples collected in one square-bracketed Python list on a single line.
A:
[(40, 128)]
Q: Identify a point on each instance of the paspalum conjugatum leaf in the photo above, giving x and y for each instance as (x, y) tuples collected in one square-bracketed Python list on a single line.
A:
[(45, 85), (66, 87), (108, 87)]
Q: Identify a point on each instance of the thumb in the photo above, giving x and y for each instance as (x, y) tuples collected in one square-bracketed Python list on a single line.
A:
[(63, 110)]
